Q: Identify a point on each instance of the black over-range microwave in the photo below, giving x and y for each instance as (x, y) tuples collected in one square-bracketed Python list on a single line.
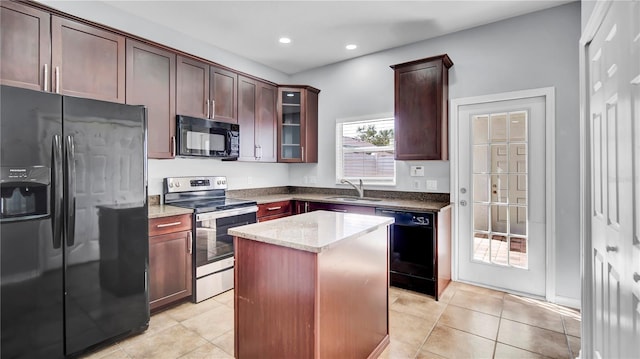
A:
[(200, 137)]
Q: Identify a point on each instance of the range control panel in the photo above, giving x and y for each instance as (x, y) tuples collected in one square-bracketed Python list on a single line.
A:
[(188, 184)]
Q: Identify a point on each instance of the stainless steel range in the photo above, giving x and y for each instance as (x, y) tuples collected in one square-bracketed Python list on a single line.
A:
[(214, 214)]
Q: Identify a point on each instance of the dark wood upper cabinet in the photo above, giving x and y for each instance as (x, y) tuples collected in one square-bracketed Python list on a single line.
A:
[(266, 122), (151, 81), (86, 61), (298, 124), (257, 120), (421, 109), (206, 91), (192, 93), (25, 53), (223, 94)]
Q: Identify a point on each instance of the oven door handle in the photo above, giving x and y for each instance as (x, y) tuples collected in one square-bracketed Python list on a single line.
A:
[(226, 213)]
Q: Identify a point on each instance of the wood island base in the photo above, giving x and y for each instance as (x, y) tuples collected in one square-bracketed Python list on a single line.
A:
[(292, 303)]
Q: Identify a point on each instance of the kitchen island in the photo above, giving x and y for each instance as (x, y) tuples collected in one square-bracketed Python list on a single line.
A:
[(314, 285)]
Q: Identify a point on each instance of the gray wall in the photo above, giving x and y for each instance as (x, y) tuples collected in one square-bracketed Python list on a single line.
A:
[(530, 51)]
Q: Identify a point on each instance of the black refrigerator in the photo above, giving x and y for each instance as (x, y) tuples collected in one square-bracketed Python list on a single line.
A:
[(73, 223)]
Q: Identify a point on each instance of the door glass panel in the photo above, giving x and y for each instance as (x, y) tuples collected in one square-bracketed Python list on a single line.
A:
[(499, 158), (481, 188), (481, 159), (500, 206), (498, 127), (480, 129), (481, 218)]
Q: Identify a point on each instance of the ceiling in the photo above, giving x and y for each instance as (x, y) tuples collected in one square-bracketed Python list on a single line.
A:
[(319, 30)]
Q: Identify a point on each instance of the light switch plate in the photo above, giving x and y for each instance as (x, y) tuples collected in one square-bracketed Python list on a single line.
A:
[(417, 171)]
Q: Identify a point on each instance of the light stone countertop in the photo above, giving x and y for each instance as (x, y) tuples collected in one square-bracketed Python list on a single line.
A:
[(386, 203), (313, 231), (163, 210)]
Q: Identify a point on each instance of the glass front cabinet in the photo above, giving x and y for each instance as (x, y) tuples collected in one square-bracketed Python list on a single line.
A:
[(298, 124)]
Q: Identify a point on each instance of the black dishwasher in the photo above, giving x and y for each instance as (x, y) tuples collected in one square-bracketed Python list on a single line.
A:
[(412, 250)]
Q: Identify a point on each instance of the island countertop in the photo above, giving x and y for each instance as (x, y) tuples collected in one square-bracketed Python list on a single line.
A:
[(313, 231)]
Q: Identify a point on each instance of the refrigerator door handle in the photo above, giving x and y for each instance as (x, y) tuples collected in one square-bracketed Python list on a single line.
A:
[(56, 191), (70, 200)]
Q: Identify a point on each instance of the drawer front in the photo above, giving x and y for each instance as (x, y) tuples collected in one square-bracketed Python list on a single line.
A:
[(275, 216), (164, 225), (273, 208)]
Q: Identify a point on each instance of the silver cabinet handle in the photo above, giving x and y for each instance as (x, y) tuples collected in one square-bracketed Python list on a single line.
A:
[(46, 77), (273, 208), (163, 225), (302, 153), (173, 146), (611, 248), (259, 152), (57, 79), (190, 242), (213, 109), (207, 104)]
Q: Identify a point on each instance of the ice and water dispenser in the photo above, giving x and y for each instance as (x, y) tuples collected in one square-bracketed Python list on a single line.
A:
[(24, 192)]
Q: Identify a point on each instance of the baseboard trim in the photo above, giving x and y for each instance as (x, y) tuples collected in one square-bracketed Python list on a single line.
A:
[(568, 302)]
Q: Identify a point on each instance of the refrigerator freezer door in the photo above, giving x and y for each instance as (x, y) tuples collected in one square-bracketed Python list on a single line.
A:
[(107, 253), (31, 277)]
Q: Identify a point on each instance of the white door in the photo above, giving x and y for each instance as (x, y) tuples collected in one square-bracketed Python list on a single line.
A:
[(613, 69), (501, 198)]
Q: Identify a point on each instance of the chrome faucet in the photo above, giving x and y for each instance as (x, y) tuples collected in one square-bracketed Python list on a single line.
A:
[(360, 189)]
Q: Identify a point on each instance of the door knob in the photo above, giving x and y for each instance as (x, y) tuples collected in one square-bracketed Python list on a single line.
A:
[(463, 203), (463, 190)]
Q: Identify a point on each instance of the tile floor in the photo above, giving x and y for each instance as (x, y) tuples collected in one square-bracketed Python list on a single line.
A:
[(468, 322)]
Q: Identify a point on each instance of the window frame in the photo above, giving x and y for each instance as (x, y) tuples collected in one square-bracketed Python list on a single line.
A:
[(339, 164)]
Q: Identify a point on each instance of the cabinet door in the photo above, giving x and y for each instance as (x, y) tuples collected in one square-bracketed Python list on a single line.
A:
[(290, 125), (87, 62), (151, 81), (421, 115), (224, 95), (25, 46), (192, 96), (310, 128), (170, 276), (247, 90), (266, 132)]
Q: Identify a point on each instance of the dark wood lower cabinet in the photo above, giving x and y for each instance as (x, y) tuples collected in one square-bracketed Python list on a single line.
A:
[(170, 264)]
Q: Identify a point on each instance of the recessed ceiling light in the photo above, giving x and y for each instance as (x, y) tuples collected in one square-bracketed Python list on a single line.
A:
[(351, 47), (284, 40)]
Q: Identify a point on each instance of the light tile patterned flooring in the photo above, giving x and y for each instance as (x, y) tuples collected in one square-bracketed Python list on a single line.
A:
[(468, 322), (500, 251)]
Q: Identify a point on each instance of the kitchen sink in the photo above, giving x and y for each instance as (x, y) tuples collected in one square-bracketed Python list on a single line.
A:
[(355, 199)]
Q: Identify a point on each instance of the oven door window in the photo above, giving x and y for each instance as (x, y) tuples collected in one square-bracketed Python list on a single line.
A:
[(212, 241)]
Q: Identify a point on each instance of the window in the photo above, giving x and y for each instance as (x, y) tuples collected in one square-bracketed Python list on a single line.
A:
[(364, 150)]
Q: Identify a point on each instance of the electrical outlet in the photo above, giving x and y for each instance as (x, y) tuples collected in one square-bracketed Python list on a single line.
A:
[(416, 184), (417, 171), (432, 185)]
